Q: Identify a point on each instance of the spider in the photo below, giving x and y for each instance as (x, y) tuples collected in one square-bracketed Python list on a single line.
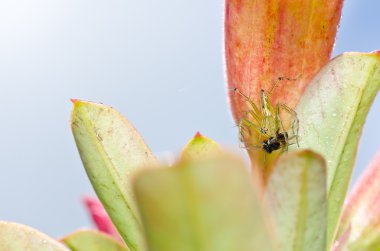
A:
[(268, 124)]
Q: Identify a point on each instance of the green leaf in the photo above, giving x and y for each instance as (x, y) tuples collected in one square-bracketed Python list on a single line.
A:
[(297, 196), (17, 237), (332, 112), (199, 147), (370, 241), (203, 205), (86, 240), (111, 150)]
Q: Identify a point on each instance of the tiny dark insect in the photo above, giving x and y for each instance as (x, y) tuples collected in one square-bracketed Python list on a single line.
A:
[(267, 123), (275, 143)]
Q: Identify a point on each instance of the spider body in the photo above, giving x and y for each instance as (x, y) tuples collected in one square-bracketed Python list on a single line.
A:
[(275, 143), (270, 145), (263, 128)]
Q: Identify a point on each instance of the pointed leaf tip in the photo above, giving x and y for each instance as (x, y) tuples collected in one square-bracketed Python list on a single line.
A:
[(112, 150), (199, 147), (198, 135)]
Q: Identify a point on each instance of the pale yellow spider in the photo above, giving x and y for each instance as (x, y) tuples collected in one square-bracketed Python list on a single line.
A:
[(267, 123)]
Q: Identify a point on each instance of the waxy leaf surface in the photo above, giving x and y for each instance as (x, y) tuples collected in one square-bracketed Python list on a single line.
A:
[(361, 216), (199, 147), (111, 151), (204, 205), (297, 198), (17, 237), (265, 40), (89, 240), (332, 112)]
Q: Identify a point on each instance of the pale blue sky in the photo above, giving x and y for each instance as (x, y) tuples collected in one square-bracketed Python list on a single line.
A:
[(158, 62)]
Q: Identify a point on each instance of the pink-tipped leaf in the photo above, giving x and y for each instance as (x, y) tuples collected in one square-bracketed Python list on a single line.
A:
[(265, 40), (362, 211), (100, 217)]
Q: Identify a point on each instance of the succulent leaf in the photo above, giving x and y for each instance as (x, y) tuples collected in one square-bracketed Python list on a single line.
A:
[(86, 240), (204, 205), (199, 147), (332, 112), (297, 197), (362, 212), (111, 150), (265, 40), (17, 237)]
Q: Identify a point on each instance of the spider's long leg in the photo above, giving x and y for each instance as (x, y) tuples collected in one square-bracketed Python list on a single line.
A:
[(245, 128), (254, 111), (293, 137), (245, 123), (246, 145), (279, 79), (247, 98), (280, 124), (269, 114), (295, 120)]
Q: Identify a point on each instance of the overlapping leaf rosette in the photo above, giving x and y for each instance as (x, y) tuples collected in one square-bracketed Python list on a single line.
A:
[(209, 199)]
